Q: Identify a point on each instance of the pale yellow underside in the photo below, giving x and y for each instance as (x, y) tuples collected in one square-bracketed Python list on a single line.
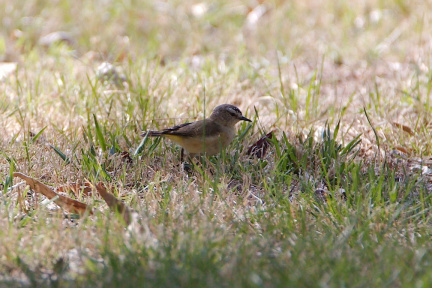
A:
[(195, 145)]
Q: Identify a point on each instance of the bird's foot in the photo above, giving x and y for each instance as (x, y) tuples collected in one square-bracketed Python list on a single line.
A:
[(188, 168)]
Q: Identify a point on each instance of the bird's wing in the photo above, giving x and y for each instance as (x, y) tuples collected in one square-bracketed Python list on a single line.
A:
[(167, 131), (176, 130), (194, 129)]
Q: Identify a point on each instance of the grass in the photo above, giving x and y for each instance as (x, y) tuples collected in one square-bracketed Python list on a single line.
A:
[(341, 198)]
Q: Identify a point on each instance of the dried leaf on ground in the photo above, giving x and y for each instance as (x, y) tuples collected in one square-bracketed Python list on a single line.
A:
[(114, 204), (402, 149), (66, 203), (404, 128), (77, 188), (259, 148), (56, 38), (125, 156)]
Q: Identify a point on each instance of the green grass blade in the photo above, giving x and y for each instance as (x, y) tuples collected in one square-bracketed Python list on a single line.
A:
[(141, 146), (351, 145), (373, 128), (99, 134), (34, 139), (61, 154)]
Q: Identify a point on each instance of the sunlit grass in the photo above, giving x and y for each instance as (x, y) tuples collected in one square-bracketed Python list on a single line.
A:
[(341, 197)]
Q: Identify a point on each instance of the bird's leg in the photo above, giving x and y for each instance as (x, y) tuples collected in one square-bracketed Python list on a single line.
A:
[(186, 166)]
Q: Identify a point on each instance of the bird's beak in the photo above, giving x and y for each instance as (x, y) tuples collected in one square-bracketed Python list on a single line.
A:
[(244, 119)]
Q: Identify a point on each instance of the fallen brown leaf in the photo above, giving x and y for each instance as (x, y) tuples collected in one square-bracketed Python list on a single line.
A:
[(259, 148), (77, 188), (404, 128), (66, 203), (402, 149), (114, 204)]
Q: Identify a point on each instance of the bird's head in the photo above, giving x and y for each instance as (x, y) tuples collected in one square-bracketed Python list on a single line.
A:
[(227, 115)]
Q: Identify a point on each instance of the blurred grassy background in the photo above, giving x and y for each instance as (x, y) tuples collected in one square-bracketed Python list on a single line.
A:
[(170, 30), (357, 50)]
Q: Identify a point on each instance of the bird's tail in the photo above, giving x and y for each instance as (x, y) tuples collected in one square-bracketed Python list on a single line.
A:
[(151, 133)]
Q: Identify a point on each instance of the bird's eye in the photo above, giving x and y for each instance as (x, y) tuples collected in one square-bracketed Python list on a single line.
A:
[(234, 111)]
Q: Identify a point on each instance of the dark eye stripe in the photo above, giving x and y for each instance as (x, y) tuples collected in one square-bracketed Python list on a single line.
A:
[(236, 110)]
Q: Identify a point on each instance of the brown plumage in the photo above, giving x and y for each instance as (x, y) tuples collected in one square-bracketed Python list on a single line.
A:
[(207, 136)]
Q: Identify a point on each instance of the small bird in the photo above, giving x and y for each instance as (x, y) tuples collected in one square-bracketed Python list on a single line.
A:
[(208, 136)]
